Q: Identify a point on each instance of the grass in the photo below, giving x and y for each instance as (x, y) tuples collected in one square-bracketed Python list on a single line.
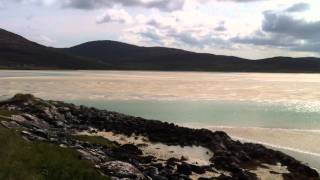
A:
[(4, 112), (41, 161), (23, 97), (5, 115), (97, 140)]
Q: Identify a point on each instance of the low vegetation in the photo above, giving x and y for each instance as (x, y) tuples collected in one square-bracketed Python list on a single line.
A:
[(98, 140), (25, 160), (7, 113)]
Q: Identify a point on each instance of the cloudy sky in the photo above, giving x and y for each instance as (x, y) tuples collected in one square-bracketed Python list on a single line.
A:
[(246, 28)]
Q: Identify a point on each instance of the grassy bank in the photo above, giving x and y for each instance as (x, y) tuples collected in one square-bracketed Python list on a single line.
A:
[(97, 140), (40, 161)]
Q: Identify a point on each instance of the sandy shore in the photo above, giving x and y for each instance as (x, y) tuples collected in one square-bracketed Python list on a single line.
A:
[(195, 155), (304, 141), (302, 144), (161, 151)]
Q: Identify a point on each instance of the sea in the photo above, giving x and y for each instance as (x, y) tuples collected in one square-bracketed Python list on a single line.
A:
[(280, 111)]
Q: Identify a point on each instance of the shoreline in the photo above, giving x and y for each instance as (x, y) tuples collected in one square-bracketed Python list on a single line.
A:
[(175, 71), (237, 133), (41, 119), (307, 150)]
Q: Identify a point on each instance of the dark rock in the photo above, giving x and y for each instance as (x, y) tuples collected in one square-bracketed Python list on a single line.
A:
[(198, 169), (224, 177), (244, 175), (131, 149), (172, 161), (184, 169), (10, 124), (158, 177), (41, 133), (147, 159), (122, 170), (226, 163)]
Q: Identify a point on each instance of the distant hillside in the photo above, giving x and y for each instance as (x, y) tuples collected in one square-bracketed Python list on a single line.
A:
[(19, 53), (129, 57)]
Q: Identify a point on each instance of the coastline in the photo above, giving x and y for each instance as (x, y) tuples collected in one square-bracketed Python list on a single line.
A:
[(285, 140), (236, 158)]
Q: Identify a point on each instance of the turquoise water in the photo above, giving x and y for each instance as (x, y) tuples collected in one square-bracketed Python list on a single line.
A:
[(217, 113), (18, 73), (228, 113)]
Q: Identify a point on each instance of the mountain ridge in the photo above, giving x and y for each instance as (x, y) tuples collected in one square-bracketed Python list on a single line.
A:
[(16, 52)]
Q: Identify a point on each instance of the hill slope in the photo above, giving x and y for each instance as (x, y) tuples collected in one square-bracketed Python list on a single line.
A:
[(17, 52), (129, 57)]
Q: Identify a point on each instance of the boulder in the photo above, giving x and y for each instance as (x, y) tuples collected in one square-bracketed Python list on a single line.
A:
[(131, 149), (184, 169), (10, 124), (121, 169)]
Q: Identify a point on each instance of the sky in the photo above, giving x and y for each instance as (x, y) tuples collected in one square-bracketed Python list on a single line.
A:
[(251, 29)]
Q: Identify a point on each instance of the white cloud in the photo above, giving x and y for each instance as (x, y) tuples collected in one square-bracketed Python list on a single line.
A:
[(298, 7), (176, 29)]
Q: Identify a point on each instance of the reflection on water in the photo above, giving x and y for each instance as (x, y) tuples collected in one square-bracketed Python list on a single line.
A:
[(116, 85), (278, 110)]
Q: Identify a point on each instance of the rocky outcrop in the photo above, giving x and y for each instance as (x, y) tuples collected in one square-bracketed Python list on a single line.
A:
[(122, 170), (56, 122)]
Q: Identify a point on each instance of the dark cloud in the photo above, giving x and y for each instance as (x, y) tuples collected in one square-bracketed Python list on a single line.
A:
[(164, 5), (191, 37), (151, 35), (299, 7), (86, 4), (287, 25), (154, 23), (313, 46), (194, 40), (262, 39), (239, 1), (284, 31), (114, 15), (220, 27)]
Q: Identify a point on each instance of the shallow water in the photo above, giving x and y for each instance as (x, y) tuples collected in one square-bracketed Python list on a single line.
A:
[(278, 110), (213, 112), (135, 85)]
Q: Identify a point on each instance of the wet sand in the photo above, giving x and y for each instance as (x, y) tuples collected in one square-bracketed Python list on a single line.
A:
[(195, 155)]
